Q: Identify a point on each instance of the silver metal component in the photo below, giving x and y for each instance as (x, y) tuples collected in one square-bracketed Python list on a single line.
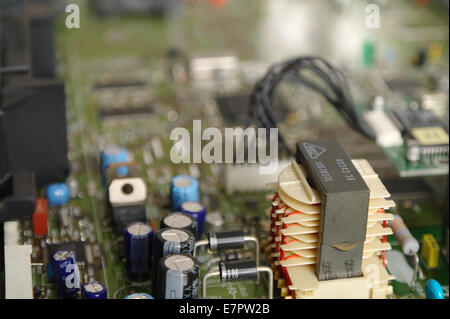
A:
[(179, 263), (200, 243), (139, 229), (175, 235)]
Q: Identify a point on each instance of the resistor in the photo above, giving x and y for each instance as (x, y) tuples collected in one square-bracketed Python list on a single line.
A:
[(409, 244)]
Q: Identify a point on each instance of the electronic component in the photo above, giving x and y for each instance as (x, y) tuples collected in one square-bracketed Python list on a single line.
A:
[(139, 295), (341, 188), (58, 194), (424, 127), (412, 151), (138, 249), (178, 277), (113, 154), (232, 239), (40, 217), (196, 210), (11, 233), (413, 118), (180, 220), (433, 290), (214, 222), (183, 188), (94, 290), (65, 272), (386, 134), (33, 130), (430, 250), (247, 177), (296, 221), (18, 278), (126, 195), (409, 244), (239, 270), (173, 240), (106, 113), (76, 246), (17, 196)]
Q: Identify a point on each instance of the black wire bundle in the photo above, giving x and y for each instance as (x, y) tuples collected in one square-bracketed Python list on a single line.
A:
[(335, 91)]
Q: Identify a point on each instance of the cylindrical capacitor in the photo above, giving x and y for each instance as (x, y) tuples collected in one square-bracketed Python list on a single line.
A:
[(173, 240), (238, 270), (139, 295), (214, 222), (232, 239), (180, 220), (40, 217), (94, 290), (65, 272), (138, 248), (412, 151), (198, 211), (183, 188), (178, 276), (58, 194), (433, 290), (409, 244), (114, 154)]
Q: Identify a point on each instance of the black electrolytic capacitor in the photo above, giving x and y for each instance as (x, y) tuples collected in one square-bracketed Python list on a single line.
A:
[(180, 220), (178, 277), (173, 241), (233, 239), (238, 270)]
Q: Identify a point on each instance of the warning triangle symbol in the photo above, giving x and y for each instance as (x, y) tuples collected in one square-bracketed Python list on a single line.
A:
[(314, 151)]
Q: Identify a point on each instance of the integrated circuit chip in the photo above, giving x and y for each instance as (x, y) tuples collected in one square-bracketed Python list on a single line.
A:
[(76, 246)]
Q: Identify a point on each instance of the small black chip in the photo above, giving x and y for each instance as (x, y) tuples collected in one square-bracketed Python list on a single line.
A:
[(126, 111), (423, 126), (76, 246), (410, 119)]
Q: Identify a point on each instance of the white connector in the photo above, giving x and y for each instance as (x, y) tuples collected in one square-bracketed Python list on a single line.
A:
[(387, 134)]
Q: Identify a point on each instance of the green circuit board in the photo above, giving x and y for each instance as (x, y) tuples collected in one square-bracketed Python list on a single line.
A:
[(133, 48)]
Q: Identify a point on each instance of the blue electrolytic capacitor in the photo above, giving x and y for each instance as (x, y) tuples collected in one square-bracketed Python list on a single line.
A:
[(94, 290), (65, 272), (58, 194), (183, 188), (196, 210), (114, 154), (139, 295), (433, 290), (138, 248)]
